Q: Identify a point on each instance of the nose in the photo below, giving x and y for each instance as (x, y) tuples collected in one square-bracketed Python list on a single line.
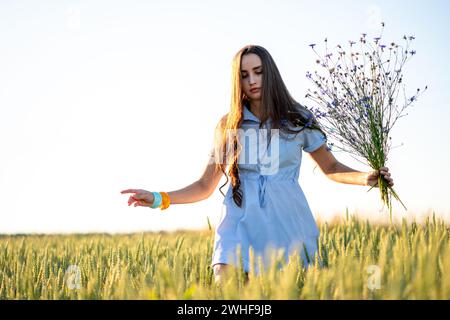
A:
[(252, 79)]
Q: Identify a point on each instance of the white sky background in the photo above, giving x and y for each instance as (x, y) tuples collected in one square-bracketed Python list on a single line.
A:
[(101, 96)]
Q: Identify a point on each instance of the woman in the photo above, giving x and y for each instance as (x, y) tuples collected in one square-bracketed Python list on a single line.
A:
[(265, 207)]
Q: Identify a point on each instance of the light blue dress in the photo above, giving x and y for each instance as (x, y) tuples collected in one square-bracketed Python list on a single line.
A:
[(275, 213)]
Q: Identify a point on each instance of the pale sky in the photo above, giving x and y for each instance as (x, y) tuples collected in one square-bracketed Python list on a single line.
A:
[(101, 96)]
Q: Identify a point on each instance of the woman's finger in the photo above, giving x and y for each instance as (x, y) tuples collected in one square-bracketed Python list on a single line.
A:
[(128, 191), (131, 199), (138, 191), (142, 204)]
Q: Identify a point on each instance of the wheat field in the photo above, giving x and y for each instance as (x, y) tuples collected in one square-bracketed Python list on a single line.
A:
[(361, 260)]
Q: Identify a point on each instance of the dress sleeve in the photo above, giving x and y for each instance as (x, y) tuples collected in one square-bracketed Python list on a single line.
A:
[(311, 139)]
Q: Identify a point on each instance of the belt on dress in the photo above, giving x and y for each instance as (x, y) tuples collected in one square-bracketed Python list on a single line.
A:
[(262, 185), (262, 190)]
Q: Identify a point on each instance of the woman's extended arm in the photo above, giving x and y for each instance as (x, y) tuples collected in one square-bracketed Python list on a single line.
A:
[(192, 193), (339, 172), (197, 191), (344, 174)]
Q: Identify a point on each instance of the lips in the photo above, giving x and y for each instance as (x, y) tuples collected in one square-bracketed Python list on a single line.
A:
[(254, 90)]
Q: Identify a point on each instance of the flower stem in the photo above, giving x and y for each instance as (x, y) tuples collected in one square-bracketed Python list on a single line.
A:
[(386, 195)]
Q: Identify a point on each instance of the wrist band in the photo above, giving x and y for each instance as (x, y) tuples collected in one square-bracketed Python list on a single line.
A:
[(157, 200), (161, 200), (165, 200)]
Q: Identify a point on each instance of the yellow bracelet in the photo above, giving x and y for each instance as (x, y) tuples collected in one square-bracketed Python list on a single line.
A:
[(165, 201)]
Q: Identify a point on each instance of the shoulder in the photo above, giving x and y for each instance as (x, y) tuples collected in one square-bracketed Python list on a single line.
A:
[(224, 118), (222, 122)]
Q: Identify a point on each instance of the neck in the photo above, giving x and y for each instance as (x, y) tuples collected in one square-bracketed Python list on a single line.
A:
[(255, 107)]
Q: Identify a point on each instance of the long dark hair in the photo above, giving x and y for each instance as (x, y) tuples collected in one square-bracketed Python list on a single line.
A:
[(276, 103)]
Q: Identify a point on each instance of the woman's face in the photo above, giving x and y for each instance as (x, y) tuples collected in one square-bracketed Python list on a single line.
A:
[(251, 76)]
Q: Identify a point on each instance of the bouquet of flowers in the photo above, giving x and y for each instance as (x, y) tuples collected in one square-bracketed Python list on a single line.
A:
[(356, 97)]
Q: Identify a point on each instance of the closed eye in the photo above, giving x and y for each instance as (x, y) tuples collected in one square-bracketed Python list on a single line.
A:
[(245, 76)]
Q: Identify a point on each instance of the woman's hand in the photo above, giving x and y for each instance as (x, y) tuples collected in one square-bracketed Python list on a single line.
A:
[(372, 177), (140, 197)]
